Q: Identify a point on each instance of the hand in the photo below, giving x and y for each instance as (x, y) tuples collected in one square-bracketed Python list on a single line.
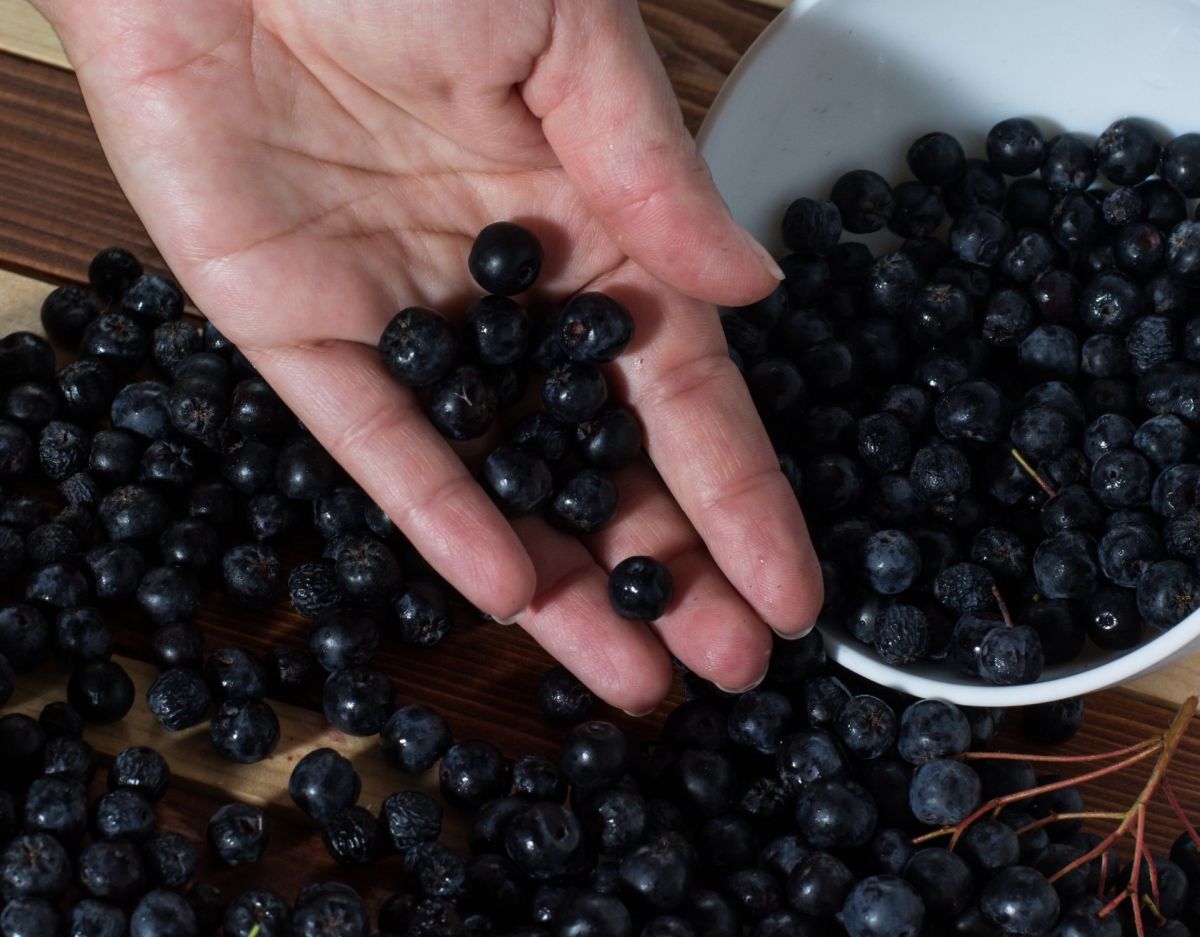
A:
[(309, 168)]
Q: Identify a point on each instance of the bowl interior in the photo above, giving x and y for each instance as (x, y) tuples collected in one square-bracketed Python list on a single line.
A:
[(835, 85)]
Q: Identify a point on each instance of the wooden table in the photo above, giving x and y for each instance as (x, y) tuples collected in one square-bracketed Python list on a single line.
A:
[(59, 204)]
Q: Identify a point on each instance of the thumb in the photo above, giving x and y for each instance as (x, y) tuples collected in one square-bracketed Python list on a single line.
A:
[(611, 117)]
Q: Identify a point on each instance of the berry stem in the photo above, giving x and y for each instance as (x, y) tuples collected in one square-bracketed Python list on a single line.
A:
[(1004, 614), (1151, 870), (1148, 902), (1166, 745), (1061, 759), (1033, 473), (996, 804), (1104, 870), (1083, 815), (1134, 874), (1169, 793)]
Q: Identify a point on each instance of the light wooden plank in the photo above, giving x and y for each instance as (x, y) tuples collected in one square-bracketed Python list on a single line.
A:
[(25, 32), (21, 300), (191, 755)]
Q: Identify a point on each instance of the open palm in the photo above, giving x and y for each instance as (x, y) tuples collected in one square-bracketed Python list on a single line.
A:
[(308, 168)]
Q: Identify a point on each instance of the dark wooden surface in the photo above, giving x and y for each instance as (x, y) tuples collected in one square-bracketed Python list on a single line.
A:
[(59, 204)]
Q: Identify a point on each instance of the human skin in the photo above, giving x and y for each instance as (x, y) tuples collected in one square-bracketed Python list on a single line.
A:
[(309, 167)]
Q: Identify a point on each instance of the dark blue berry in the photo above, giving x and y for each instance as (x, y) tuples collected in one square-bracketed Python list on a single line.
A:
[(245, 731), (1016, 146), (497, 330), (238, 834), (179, 698), (640, 587), (1167, 592), (352, 836), (562, 698), (594, 328), (811, 226), (883, 906), (471, 772), (411, 818), (505, 258), (519, 481), (66, 312), (864, 200), (358, 700), (574, 393), (101, 690), (1020, 901)]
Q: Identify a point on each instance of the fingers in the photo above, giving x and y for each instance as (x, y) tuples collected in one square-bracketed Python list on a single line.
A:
[(376, 431), (706, 440), (570, 616), (708, 625), (611, 116)]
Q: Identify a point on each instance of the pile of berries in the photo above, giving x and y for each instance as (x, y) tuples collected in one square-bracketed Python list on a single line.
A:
[(123, 874), (992, 428), (555, 458), (789, 810), (155, 465)]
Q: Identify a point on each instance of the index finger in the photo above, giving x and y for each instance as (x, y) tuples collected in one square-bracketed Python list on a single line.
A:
[(375, 429)]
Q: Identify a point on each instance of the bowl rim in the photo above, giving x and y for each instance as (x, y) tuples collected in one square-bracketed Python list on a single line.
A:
[(1151, 655)]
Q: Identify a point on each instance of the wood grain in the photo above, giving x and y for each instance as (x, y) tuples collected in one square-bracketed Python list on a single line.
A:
[(59, 202)]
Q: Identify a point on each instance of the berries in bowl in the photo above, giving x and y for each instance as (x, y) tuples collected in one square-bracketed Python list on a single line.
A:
[(981, 368)]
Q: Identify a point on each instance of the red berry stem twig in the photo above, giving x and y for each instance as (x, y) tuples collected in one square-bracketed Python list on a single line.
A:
[(1051, 818), (996, 804), (1061, 759), (1169, 793), (1164, 745)]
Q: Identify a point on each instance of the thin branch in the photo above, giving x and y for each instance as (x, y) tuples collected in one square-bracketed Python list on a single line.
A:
[(1169, 793), (1055, 817), (1062, 759)]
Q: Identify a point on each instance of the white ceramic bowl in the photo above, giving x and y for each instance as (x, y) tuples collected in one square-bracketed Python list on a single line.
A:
[(834, 85)]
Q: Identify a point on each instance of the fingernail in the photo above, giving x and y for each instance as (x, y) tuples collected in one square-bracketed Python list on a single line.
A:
[(640, 715), (748, 687), (505, 621), (794, 635), (768, 262)]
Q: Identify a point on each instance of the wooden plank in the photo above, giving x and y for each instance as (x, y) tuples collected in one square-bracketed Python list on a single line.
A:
[(191, 755), (20, 301), (59, 201), (25, 32)]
